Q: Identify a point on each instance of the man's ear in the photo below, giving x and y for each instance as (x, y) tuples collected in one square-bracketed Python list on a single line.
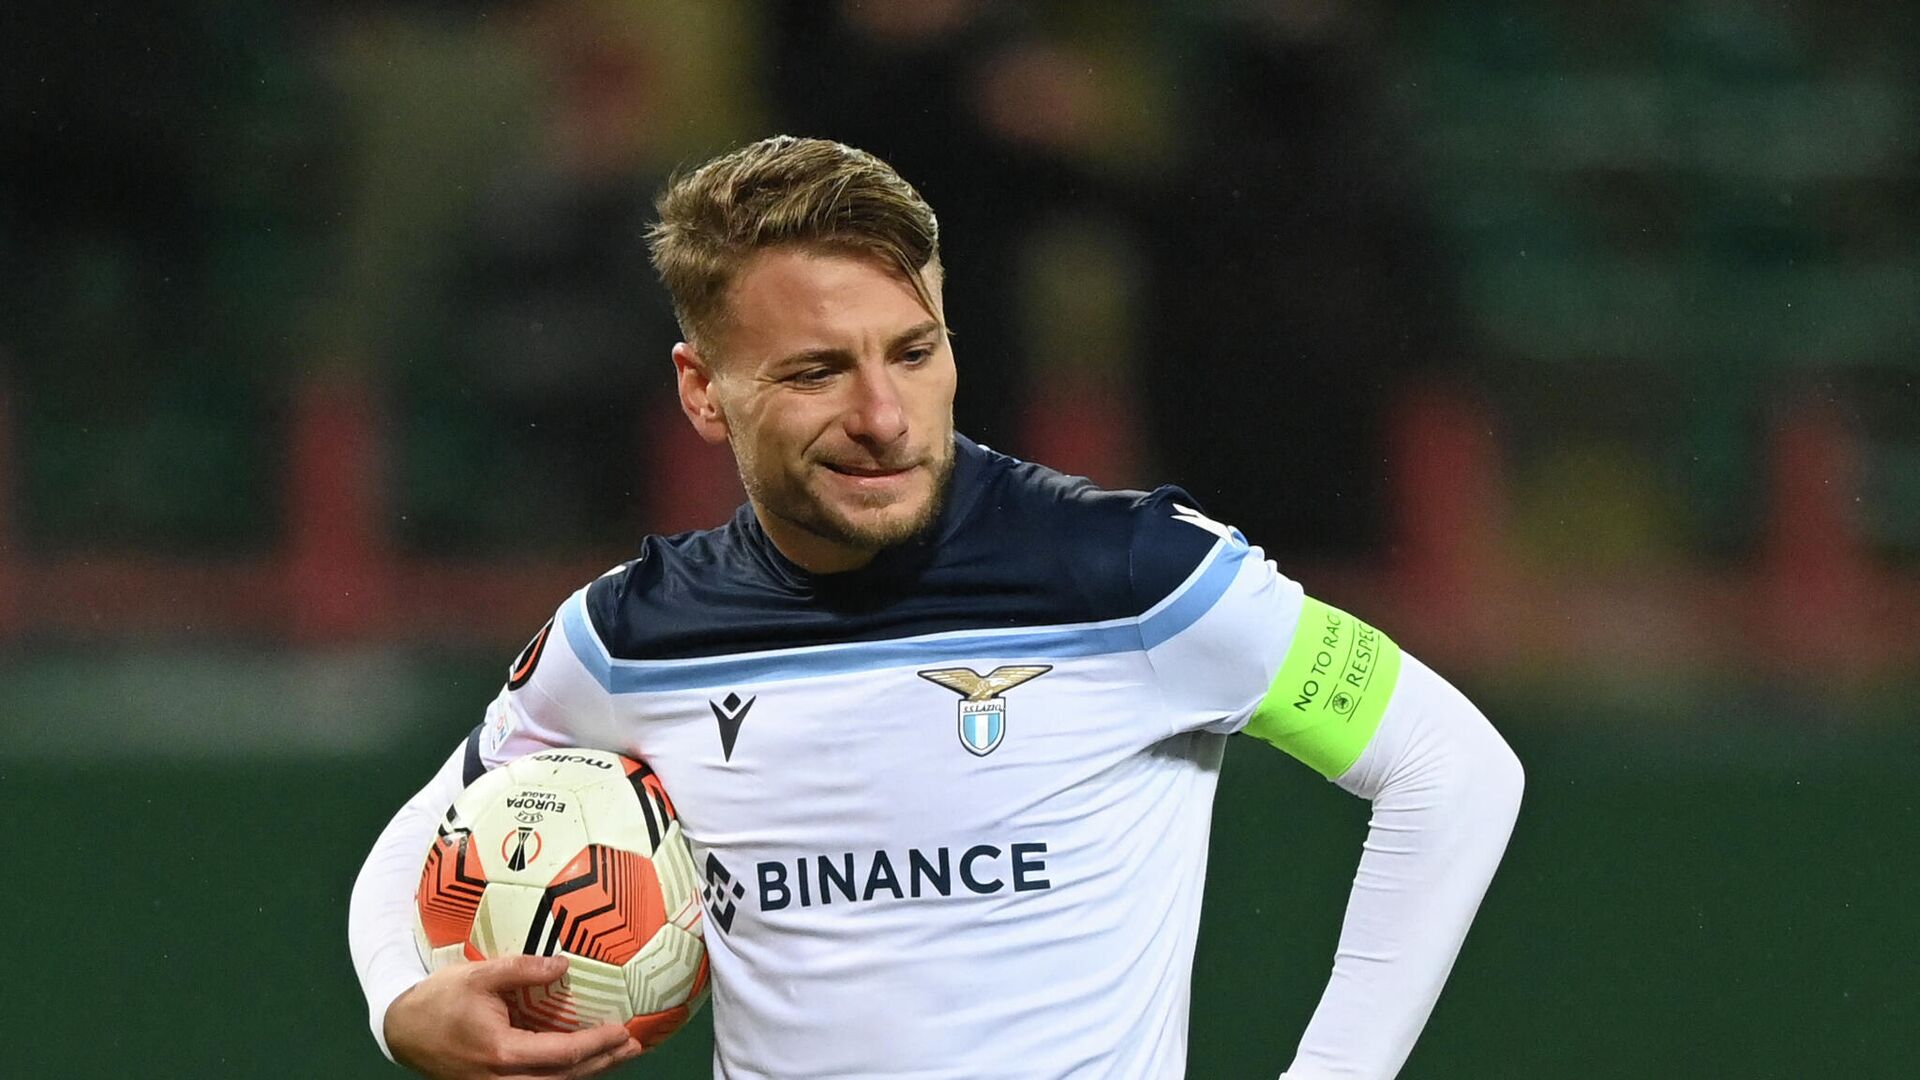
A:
[(696, 394)]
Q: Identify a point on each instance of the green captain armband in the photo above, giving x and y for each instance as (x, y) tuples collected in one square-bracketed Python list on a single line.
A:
[(1332, 689)]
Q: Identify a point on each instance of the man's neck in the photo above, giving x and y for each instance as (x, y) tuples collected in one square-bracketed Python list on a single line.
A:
[(809, 550)]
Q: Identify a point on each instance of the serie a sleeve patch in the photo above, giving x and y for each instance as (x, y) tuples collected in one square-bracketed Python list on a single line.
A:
[(1333, 687)]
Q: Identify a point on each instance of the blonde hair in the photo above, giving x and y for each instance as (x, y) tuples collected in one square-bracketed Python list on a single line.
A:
[(811, 193)]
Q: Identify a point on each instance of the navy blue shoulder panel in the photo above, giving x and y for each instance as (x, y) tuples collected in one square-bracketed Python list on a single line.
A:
[(1167, 543), (1016, 544)]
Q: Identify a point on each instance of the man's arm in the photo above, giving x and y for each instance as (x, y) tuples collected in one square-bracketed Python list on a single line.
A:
[(454, 1023), (380, 913), (1445, 790), (1236, 646)]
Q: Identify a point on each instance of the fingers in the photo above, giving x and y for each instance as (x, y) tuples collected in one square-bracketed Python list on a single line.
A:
[(599, 1063), (455, 1023), (552, 1053), (513, 972), (612, 1058)]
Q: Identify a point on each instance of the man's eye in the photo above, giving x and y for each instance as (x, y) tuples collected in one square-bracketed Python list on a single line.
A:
[(811, 377), (919, 354)]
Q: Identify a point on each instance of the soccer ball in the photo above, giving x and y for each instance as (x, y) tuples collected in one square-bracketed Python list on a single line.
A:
[(575, 853)]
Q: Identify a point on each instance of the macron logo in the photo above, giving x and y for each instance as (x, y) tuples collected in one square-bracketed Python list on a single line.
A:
[(730, 713), (1201, 521)]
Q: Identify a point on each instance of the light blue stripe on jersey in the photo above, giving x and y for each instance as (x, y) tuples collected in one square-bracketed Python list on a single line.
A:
[(1184, 606), (1195, 597)]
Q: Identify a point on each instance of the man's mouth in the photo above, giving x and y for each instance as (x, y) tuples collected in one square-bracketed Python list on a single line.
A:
[(866, 470)]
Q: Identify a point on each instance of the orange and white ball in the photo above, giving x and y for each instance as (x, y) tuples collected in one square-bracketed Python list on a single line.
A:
[(574, 853)]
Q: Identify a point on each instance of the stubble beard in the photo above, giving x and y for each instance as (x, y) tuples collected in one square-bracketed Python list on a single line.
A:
[(795, 503)]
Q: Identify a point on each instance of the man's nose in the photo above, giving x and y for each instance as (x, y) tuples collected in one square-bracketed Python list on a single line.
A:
[(875, 414)]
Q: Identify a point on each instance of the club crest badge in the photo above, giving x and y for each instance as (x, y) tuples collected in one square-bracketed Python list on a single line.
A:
[(983, 711)]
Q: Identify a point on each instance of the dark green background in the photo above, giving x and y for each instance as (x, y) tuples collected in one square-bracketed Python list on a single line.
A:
[(1674, 904)]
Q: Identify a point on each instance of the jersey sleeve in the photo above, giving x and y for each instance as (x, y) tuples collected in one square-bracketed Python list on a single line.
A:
[(555, 695), (1220, 613), (1237, 646)]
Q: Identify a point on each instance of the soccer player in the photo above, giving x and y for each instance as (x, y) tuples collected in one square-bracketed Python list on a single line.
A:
[(943, 727)]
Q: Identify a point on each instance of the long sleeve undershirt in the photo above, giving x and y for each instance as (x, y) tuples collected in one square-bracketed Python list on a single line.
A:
[(1445, 790), (380, 914)]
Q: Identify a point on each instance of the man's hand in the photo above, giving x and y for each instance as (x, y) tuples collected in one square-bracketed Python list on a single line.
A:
[(453, 1025)]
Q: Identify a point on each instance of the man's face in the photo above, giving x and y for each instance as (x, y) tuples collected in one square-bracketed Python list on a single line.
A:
[(834, 387)]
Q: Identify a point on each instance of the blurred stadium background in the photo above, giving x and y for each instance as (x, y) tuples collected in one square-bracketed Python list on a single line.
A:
[(1574, 344)]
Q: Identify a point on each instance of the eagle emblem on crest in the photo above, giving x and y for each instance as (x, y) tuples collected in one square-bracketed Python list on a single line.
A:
[(983, 711)]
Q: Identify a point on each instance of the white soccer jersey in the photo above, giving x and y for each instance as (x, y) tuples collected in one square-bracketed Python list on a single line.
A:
[(952, 809), (962, 852)]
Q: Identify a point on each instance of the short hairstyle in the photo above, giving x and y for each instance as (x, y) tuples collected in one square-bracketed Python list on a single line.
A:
[(810, 193)]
